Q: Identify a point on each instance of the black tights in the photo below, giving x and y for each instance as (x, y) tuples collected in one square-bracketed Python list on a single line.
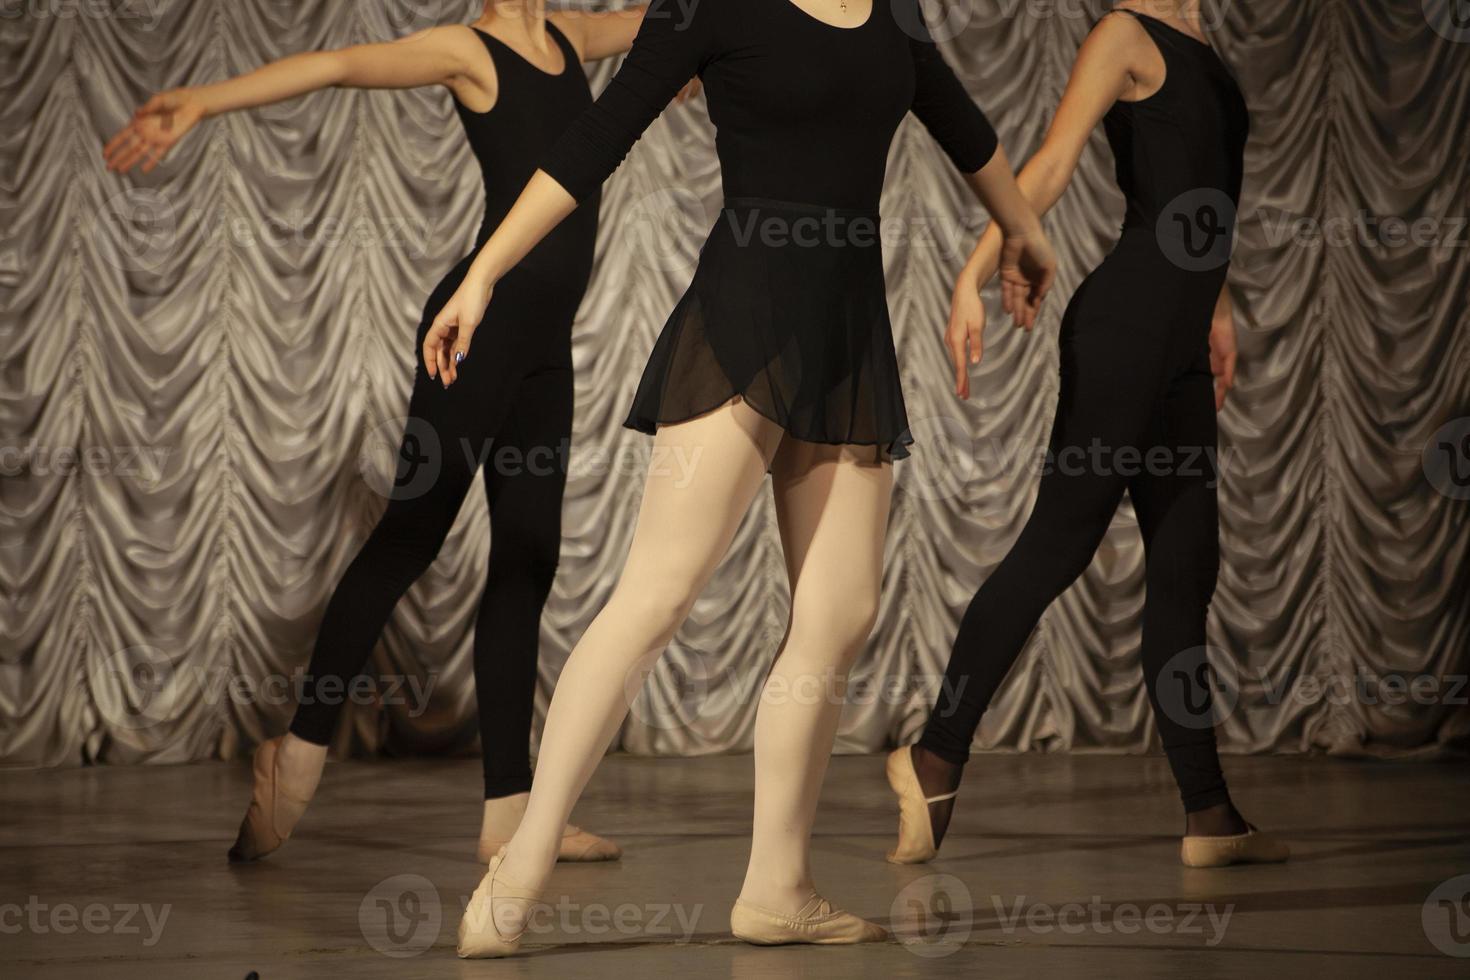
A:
[(512, 411), (1128, 386)]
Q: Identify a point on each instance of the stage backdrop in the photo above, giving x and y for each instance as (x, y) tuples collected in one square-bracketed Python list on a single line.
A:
[(205, 370)]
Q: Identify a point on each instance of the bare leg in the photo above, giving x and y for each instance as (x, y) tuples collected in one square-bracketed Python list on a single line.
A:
[(702, 478)]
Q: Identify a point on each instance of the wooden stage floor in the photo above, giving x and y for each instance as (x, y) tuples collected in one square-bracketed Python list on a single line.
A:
[(1062, 865)]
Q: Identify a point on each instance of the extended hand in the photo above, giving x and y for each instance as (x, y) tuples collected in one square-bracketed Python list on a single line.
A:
[(448, 340), (153, 131)]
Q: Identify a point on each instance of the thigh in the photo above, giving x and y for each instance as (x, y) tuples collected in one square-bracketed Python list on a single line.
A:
[(1175, 491), (446, 433), (832, 508), (526, 465), (1111, 377), (702, 476)]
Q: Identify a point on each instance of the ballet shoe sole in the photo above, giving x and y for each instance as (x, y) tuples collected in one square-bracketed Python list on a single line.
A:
[(1222, 852)]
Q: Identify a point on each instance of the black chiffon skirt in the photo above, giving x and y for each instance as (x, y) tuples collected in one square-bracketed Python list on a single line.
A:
[(787, 311)]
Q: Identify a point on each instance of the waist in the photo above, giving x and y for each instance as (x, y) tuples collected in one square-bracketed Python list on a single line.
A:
[(796, 207), (794, 224)]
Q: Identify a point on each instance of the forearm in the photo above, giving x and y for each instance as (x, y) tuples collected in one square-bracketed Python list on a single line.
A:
[(542, 206), (1038, 186), (1224, 305), (278, 81)]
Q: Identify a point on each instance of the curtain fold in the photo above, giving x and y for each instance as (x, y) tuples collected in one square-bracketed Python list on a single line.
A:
[(205, 372)]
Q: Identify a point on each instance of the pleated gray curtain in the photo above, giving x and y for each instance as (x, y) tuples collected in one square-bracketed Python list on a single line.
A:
[(205, 372)]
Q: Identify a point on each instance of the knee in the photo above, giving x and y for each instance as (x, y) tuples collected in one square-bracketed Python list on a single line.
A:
[(399, 549), (658, 605), (1187, 580), (832, 630), (524, 556)]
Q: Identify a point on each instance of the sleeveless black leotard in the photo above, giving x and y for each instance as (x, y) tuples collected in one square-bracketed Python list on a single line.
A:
[(1136, 411), (512, 412), (787, 309)]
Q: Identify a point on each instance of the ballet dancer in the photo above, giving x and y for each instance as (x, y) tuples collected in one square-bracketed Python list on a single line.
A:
[(778, 358), (515, 78), (1134, 378)]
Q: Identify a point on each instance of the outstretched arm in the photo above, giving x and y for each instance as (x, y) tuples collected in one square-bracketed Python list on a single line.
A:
[(673, 44), (1111, 65), (446, 55)]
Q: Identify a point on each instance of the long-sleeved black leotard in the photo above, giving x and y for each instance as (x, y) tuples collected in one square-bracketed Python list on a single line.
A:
[(787, 309)]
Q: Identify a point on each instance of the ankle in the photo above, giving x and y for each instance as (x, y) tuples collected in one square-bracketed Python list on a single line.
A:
[(1221, 820), (527, 869), (787, 897), (503, 816), (936, 776), (300, 764)]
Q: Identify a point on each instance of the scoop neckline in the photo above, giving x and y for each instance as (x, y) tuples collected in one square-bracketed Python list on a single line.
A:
[(566, 62), (872, 12)]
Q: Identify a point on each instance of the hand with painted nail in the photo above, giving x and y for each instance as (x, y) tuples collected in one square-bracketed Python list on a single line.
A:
[(447, 343)]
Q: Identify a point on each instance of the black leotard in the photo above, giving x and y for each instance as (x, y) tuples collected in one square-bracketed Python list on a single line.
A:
[(512, 411), (787, 309), (1136, 411)]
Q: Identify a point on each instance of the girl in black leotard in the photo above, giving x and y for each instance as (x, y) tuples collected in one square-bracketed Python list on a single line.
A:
[(517, 84), (779, 358), (1136, 411)]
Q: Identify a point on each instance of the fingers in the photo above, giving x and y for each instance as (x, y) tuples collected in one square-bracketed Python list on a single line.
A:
[(118, 141), (457, 352), (1225, 380), (973, 332), (1039, 290), (955, 341), (153, 158), (120, 149), (441, 354), (433, 342)]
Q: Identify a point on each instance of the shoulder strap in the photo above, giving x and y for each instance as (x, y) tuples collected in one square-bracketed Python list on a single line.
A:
[(568, 49)]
